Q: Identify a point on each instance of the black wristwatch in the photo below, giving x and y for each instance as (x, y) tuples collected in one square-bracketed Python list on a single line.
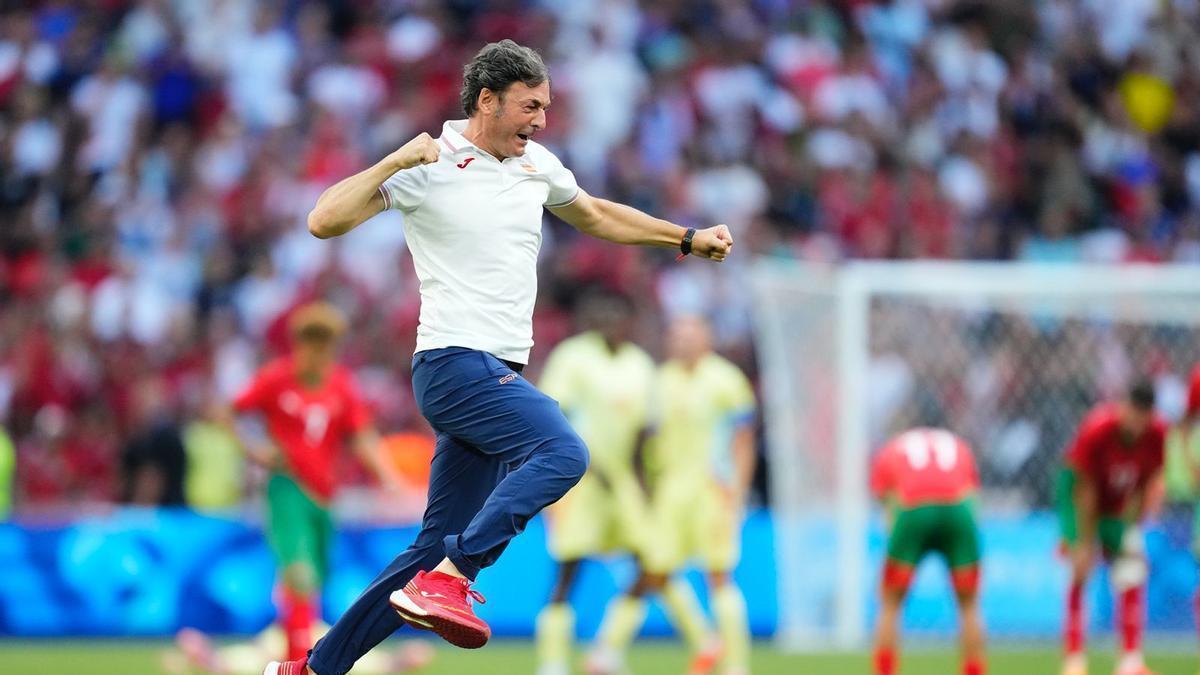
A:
[(685, 246)]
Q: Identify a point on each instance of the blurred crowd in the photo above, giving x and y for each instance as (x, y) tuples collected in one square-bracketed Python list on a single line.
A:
[(158, 158)]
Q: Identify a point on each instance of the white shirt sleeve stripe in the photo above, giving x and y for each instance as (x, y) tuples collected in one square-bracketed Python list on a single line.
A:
[(569, 201)]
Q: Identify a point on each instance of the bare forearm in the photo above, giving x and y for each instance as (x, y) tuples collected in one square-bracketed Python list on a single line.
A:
[(745, 460), (626, 225), (1085, 513), (369, 448), (258, 449), (351, 201)]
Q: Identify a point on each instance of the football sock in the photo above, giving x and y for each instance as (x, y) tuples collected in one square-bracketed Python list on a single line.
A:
[(298, 612), (729, 606), (1131, 617), (555, 628), (885, 661), (974, 667), (685, 613), (622, 621), (1074, 633)]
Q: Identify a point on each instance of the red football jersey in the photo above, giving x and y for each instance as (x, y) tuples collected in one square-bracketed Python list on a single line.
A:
[(1193, 402), (924, 466), (308, 425), (1117, 465)]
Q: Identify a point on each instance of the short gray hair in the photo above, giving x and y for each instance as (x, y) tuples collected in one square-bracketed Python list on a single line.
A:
[(498, 65)]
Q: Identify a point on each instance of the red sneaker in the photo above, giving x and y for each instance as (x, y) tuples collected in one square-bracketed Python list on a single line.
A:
[(299, 667), (443, 603)]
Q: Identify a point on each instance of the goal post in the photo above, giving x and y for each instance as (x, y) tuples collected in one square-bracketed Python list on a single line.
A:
[(1008, 355)]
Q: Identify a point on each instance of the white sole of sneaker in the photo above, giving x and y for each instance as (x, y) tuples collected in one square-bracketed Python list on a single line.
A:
[(272, 668), (408, 610)]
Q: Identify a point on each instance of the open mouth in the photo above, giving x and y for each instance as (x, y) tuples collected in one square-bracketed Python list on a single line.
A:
[(524, 137)]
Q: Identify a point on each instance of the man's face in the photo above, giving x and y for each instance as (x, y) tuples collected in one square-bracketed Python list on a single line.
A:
[(513, 117), (314, 355), (612, 319), (1134, 421), (688, 338)]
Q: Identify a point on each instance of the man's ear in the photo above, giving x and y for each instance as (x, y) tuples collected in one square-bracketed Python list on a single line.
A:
[(488, 101)]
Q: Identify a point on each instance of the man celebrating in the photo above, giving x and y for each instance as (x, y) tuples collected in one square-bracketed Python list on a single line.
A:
[(473, 203), (1116, 458), (927, 477), (603, 382)]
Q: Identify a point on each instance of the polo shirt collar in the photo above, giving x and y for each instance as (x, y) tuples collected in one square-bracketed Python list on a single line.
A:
[(452, 136)]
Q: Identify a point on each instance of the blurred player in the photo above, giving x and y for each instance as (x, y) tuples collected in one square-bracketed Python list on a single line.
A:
[(701, 460), (1114, 462), (473, 204), (603, 383), (927, 477), (312, 409)]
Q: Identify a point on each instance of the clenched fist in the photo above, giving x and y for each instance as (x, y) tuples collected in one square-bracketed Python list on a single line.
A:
[(420, 150), (713, 243)]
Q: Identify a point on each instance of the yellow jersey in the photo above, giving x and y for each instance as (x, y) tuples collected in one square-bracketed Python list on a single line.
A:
[(697, 412), (604, 394)]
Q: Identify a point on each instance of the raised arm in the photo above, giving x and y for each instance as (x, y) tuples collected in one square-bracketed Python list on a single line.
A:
[(623, 224), (352, 201)]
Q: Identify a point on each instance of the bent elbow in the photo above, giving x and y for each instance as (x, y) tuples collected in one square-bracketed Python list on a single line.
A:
[(318, 226)]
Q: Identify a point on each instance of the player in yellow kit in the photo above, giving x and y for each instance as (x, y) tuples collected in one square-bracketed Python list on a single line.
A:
[(700, 461), (603, 383)]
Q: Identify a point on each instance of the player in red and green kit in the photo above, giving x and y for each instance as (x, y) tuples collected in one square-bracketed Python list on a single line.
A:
[(1114, 462), (928, 479), (312, 409)]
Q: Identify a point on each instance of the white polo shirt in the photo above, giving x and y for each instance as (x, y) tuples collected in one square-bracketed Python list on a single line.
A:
[(474, 226)]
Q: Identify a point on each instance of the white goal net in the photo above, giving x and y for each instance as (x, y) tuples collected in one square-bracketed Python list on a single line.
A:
[(1008, 356)]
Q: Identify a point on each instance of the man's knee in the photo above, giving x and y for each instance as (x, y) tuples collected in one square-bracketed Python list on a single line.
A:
[(573, 457)]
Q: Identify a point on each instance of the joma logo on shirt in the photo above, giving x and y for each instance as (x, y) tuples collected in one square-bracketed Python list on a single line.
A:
[(465, 162)]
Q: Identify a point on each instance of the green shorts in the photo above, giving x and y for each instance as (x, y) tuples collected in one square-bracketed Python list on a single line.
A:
[(1111, 530), (299, 529), (948, 529)]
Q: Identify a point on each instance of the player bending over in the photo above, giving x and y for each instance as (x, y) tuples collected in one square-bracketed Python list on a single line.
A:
[(1116, 458), (603, 383), (473, 202), (312, 408), (927, 477), (700, 462)]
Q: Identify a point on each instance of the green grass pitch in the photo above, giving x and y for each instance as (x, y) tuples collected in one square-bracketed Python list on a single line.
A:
[(516, 658)]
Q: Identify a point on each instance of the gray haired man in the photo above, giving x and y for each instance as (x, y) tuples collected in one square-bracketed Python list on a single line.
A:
[(473, 201)]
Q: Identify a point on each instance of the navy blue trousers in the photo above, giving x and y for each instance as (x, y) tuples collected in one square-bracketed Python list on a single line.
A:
[(504, 452)]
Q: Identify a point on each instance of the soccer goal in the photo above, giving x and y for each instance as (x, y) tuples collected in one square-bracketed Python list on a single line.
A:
[(1009, 356)]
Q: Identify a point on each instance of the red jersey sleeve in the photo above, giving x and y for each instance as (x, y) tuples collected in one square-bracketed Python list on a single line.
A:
[(256, 394), (1082, 454), (883, 477), (357, 415), (1193, 401), (1156, 452)]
